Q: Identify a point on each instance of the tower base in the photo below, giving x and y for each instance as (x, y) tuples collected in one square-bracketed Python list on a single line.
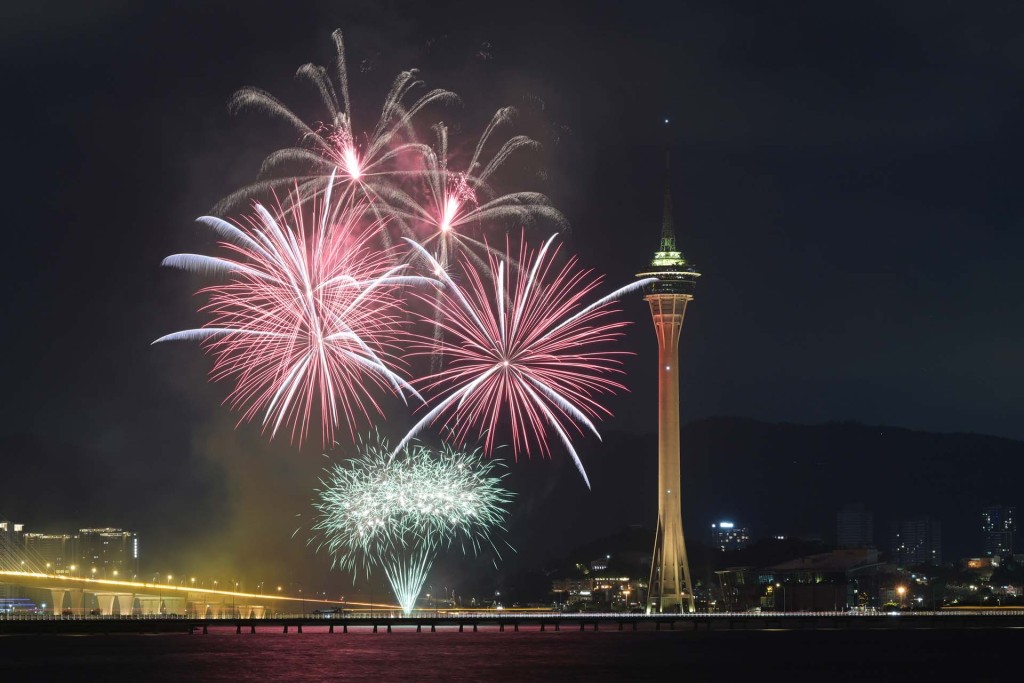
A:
[(670, 588)]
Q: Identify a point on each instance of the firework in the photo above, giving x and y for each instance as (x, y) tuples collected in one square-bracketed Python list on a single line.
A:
[(456, 200), (333, 150), (398, 510), (306, 321), (523, 350)]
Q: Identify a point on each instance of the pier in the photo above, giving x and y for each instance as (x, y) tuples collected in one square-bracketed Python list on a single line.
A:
[(511, 622)]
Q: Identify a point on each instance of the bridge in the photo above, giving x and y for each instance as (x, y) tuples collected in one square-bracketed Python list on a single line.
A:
[(134, 598), (383, 621)]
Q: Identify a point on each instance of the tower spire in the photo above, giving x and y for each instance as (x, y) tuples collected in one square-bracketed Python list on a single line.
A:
[(668, 230)]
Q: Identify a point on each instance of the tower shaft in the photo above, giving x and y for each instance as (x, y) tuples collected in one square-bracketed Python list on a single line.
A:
[(670, 584)]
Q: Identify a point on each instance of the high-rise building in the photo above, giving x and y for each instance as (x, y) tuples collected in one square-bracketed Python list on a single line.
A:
[(10, 545), (999, 525), (855, 527), (728, 536), (56, 553), (916, 540), (106, 551), (670, 583)]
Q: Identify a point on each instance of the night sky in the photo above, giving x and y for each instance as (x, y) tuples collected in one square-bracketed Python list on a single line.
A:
[(846, 176)]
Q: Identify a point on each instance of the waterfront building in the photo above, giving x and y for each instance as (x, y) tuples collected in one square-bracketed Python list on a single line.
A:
[(916, 541), (10, 543), (998, 526), (837, 580), (10, 557), (57, 553), (619, 593), (108, 552), (728, 536)]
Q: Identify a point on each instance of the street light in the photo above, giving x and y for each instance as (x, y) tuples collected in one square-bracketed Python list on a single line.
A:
[(783, 587), (901, 591)]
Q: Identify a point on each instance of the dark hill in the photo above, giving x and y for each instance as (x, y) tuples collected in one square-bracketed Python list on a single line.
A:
[(793, 478), (774, 478)]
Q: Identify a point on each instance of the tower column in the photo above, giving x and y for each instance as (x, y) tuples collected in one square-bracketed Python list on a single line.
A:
[(670, 584)]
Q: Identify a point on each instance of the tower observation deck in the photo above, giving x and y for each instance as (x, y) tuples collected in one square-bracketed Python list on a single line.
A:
[(670, 586)]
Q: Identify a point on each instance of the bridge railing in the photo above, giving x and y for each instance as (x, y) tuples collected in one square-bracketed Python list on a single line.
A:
[(509, 615)]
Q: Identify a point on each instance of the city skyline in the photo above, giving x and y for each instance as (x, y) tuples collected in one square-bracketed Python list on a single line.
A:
[(905, 541)]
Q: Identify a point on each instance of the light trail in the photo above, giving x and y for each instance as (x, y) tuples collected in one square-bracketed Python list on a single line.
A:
[(55, 581)]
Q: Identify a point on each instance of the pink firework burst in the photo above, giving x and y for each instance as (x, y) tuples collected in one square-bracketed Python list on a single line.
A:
[(306, 322), (332, 149), (452, 206), (522, 348)]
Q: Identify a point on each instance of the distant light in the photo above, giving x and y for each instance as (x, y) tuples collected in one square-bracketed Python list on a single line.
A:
[(725, 525), (666, 120)]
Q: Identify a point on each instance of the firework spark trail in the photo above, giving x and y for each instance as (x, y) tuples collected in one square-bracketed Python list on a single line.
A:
[(398, 510), (453, 205), (307, 319), (363, 165), (456, 200), (522, 347)]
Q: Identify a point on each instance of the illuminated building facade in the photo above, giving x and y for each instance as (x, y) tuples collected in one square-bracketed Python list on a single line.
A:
[(10, 540), (105, 552), (998, 525), (10, 558), (619, 593), (108, 551), (55, 552), (670, 585), (728, 536)]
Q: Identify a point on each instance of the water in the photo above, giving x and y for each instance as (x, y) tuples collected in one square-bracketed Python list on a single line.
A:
[(821, 655)]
